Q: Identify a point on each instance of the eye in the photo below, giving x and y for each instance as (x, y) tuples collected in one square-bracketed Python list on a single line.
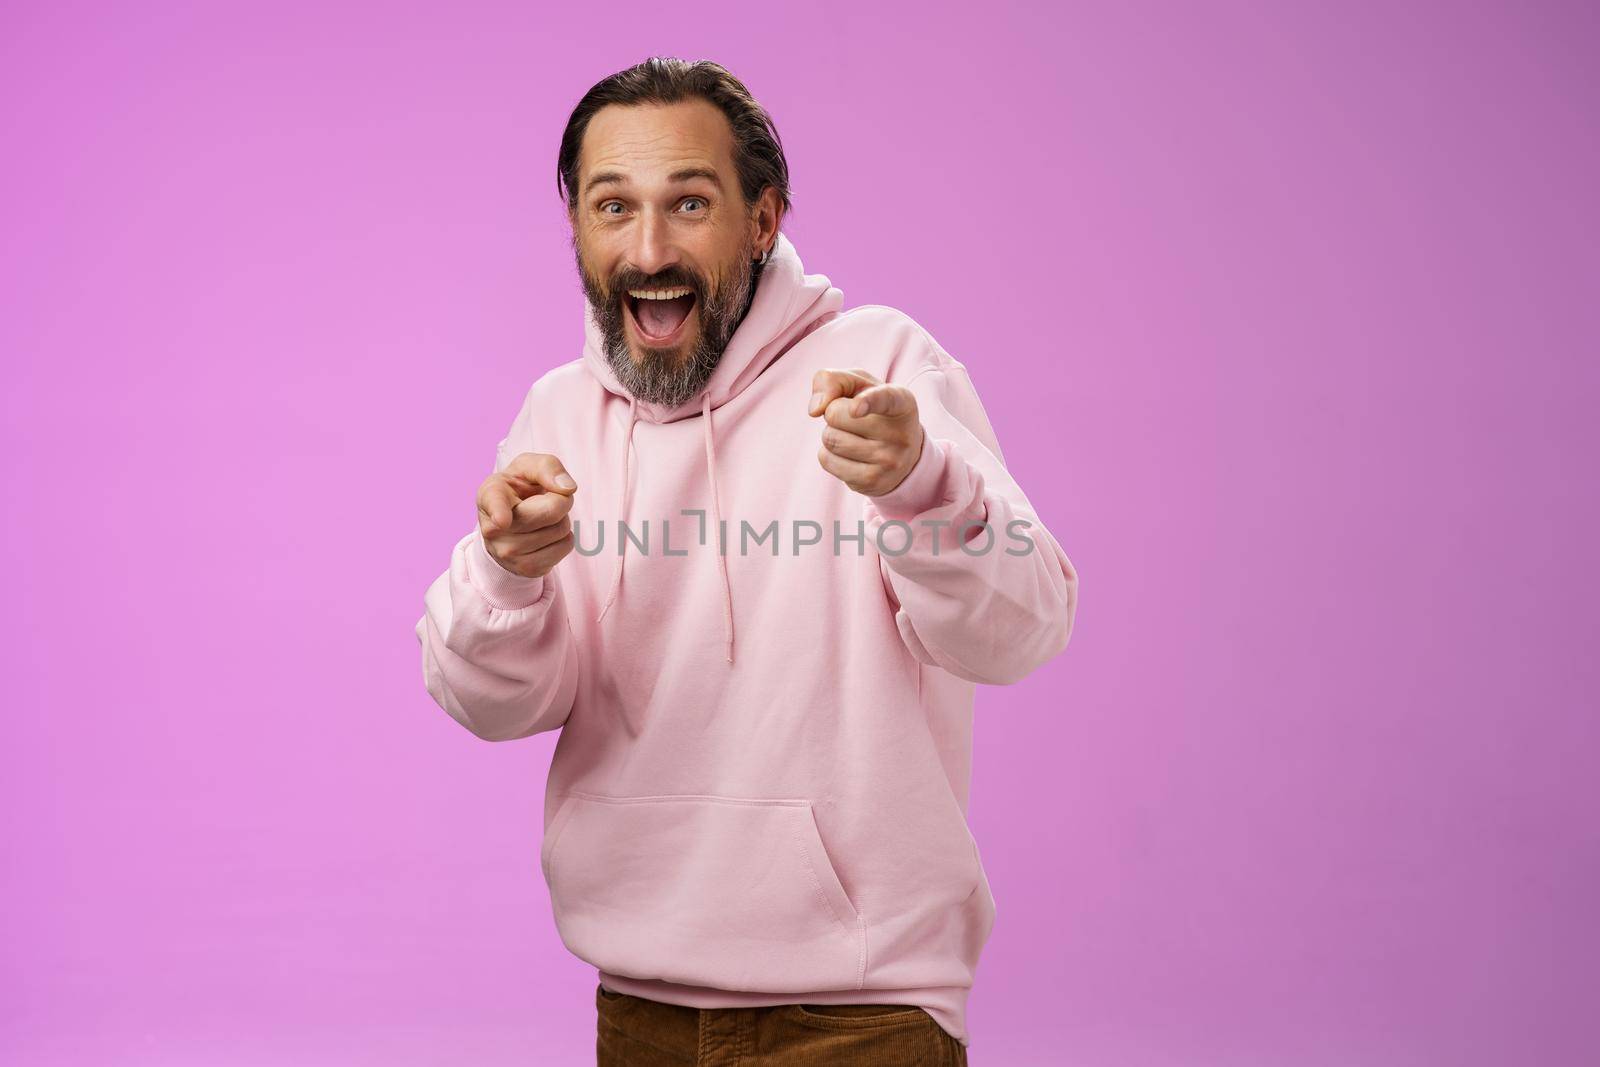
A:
[(695, 200), (610, 204)]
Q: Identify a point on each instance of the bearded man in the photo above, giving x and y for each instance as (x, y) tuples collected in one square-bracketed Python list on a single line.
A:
[(798, 552)]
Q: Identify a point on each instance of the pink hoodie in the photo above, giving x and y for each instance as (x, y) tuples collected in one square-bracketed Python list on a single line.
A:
[(759, 793)]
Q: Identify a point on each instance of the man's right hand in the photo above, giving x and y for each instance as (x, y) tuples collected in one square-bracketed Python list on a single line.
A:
[(522, 513)]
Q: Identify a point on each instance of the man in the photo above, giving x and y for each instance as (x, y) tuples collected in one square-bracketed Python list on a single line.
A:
[(798, 549)]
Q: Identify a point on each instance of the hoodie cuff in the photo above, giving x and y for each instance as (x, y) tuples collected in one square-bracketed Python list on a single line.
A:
[(922, 489), (503, 589)]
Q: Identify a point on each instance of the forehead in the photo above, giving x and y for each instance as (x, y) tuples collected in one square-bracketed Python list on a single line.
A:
[(645, 142)]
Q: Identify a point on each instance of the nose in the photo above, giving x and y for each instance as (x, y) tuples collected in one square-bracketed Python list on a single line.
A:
[(652, 250)]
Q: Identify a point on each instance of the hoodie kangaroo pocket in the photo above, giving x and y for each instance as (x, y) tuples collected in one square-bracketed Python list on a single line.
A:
[(724, 892)]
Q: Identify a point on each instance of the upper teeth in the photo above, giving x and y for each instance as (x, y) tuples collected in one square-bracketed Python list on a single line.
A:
[(659, 294)]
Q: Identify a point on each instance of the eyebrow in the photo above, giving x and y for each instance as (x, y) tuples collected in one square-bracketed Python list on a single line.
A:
[(682, 174)]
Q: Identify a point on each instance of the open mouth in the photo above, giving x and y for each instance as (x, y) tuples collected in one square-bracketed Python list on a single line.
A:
[(660, 315)]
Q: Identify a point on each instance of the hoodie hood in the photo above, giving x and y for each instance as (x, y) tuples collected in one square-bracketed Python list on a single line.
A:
[(788, 304)]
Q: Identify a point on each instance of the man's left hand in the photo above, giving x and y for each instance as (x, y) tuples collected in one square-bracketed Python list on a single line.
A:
[(872, 437)]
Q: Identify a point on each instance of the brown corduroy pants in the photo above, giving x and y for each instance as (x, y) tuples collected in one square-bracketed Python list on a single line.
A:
[(636, 1032)]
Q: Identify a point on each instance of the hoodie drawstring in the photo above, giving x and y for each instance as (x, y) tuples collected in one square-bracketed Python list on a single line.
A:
[(716, 515), (716, 512), (622, 506)]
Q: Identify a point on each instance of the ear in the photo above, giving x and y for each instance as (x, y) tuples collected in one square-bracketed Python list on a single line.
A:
[(766, 213)]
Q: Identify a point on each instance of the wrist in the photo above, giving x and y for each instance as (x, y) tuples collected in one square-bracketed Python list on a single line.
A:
[(921, 489), (500, 586)]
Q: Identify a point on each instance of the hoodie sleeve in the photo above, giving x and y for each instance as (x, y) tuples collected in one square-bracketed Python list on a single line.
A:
[(988, 603), (498, 653)]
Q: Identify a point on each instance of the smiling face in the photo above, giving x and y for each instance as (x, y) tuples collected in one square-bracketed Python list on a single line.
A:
[(666, 243)]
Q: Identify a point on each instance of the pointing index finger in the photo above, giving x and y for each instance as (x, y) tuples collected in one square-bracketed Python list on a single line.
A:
[(887, 400), (540, 471), (829, 384)]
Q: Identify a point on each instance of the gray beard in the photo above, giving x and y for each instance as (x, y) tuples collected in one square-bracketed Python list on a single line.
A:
[(660, 379)]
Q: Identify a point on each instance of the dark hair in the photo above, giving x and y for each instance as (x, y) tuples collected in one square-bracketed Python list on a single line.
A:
[(757, 151)]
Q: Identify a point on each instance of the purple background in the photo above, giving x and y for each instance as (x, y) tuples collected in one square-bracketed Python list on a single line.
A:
[(1286, 318)]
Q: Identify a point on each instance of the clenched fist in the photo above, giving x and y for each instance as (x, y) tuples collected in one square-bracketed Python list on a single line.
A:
[(522, 512), (873, 436)]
